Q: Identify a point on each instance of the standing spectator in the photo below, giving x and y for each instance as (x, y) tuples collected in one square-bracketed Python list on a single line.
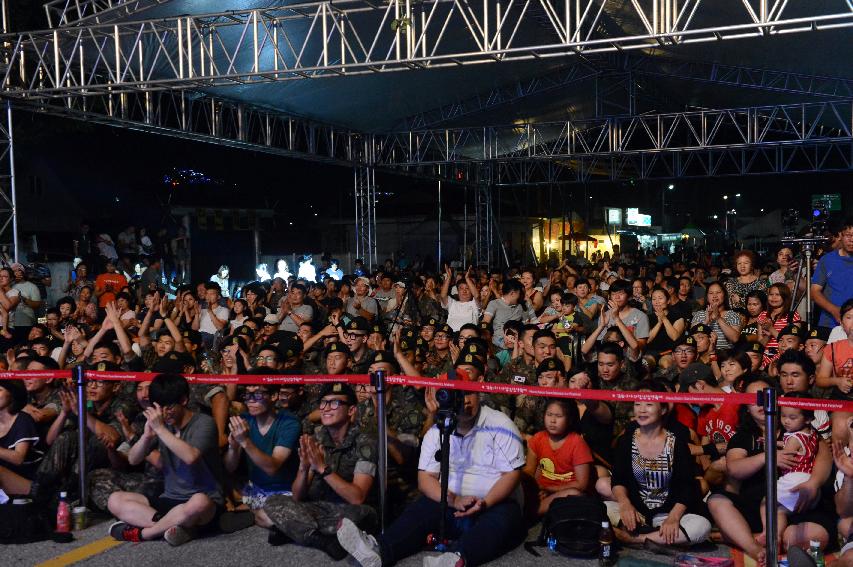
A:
[(746, 280), (77, 280), (106, 249), (108, 284), (180, 247), (127, 244), (24, 317), (832, 283), (10, 298), (151, 278), (463, 310), (505, 308)]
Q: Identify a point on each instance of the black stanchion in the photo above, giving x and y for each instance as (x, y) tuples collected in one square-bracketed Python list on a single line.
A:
[(767, 399), (378, 380), (80, 381)]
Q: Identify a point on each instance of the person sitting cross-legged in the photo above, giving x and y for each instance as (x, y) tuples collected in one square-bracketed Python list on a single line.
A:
[(191, 465), (483, 514)]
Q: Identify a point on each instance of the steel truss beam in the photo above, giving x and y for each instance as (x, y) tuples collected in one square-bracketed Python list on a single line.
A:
[(349, 37), (8, 197), (196, 116), (763, 126), (365, 215), (62, 13)]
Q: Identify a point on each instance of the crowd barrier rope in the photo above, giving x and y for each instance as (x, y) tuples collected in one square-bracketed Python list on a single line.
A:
[(419, 381), (766, 398)]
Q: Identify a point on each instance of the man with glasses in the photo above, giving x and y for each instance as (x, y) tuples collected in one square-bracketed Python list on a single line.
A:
[(269, 357), (337, 467), (354, 335), (191, 465), (438, 359), (268, 439), (684, 354)]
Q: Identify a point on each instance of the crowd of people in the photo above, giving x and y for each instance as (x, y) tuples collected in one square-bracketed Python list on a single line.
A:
[(172, 459)]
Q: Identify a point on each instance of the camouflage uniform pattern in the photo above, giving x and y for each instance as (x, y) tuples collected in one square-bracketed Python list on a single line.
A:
[(323, 508), (436, 365), (529, 414), (622, 413), (517, 372)]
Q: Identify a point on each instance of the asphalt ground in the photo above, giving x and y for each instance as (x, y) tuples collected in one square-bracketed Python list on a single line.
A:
[(93, 547)]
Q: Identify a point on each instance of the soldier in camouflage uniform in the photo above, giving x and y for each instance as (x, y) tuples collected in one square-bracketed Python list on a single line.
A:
[(146, 480), (530, 410), (438, 359), (536, 345), (610, 361), (59, 469), (405, 418), (335, 478), (428, 308), (355, 337)]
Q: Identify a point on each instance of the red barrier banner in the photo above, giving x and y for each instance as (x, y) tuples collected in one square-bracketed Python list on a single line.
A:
[(423, 382)]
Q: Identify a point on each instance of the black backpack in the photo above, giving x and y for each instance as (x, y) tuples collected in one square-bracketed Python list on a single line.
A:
[(573, 525), (24, 523)]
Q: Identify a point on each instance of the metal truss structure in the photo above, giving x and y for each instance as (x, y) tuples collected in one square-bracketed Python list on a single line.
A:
[(349, 37), (62, 13), (365, 215), (8, 195), (750, 127), (483, 226)]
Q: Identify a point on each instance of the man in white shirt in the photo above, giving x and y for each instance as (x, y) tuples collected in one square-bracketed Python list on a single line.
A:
[(23, 317), (484, 519), (214, 317), (465, 309)]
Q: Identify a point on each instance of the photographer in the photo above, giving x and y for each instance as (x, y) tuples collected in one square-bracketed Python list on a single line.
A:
[(832, 282), (483, 514)]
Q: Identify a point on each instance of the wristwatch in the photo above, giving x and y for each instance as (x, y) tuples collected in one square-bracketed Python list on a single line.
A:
[(326, 472)]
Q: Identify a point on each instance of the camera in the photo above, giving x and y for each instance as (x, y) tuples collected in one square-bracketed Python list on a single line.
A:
[(450, 400)]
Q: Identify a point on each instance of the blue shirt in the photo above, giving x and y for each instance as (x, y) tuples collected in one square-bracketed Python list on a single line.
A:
[(284, 432), (834, 273)]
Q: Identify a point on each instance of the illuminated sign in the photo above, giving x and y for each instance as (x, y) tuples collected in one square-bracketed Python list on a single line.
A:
[(634, 218), (614, 216)]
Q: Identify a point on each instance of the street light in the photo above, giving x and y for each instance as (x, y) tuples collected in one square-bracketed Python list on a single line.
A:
[(671, 187), (725, 197), (737, 194)]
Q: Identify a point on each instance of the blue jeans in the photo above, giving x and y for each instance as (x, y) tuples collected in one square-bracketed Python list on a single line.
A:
[(478, 539)]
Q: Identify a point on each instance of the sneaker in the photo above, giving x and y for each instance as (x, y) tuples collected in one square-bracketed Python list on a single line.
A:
[(277, 537), (122, 531), (176, 535), (326, 543), (360, 545), (848, 545), (230, 522), (444, 560)]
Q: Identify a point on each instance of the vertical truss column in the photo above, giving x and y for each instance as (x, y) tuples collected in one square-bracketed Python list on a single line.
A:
[(365, 215), (483, 225), (8, 200)]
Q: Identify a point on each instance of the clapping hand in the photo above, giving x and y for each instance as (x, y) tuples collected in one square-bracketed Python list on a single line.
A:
[(154, 417), (239, 431), (313, 452)]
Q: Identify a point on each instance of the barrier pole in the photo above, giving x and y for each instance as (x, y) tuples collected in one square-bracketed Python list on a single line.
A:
[(767, 398), (378, 380), (80, 381)]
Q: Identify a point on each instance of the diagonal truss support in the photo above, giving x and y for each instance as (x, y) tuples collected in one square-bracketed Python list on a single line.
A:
[(350, 37), (62, 13), (8, 194)]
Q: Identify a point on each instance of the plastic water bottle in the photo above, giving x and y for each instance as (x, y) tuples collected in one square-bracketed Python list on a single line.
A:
[(63, 514), (606, 557), (816, 553)]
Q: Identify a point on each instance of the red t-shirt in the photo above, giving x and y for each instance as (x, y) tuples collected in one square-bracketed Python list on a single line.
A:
[(118, 281), (718, 425), (840, 355), (558, 467), (685, 416)]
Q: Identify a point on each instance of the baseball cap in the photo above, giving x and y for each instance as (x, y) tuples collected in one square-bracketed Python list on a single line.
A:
[(431, 322), (235, 340), (337, 347), (106, 366), (685, 340), (193, 336), (245, 331), (445, 328), (793, 330), (400, 284), (339, 389), (486, 326), (172, 363), (549, 365), (383, 356), (695, 372), (358, 324), (470, 359), (377, 328), (700, 328), (819, 333)]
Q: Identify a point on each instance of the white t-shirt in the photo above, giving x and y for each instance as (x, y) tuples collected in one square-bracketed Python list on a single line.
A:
[(460, 313), (837, 334), (477, 460), (23, 315), (10, 294), (206, 324)]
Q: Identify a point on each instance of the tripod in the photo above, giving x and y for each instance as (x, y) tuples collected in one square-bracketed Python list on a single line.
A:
[(805, 263), (446, 421)]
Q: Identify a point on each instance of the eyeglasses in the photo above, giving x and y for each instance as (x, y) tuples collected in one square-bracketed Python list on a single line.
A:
[(682, 351), (361, 388), (255, 396), (270, 358), (332, 404), (97, 383)]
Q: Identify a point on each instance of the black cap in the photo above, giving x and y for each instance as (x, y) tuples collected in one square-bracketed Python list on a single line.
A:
[(549, 365), (290, 346), (106, 366), (819, 333), (469, 359), (192, 335), (377, 328), (685, 340), (337, 347), (172, 363), (695, 372), (486, 326), (793, 330), (407, 345), (431, 322), (245, 331), (358, 324), (339, 389), (700, 328), (383, 356), (234, 340)]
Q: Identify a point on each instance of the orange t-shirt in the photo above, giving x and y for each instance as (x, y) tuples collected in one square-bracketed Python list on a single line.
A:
[(117, 280), (558, 466), (840, 355)]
